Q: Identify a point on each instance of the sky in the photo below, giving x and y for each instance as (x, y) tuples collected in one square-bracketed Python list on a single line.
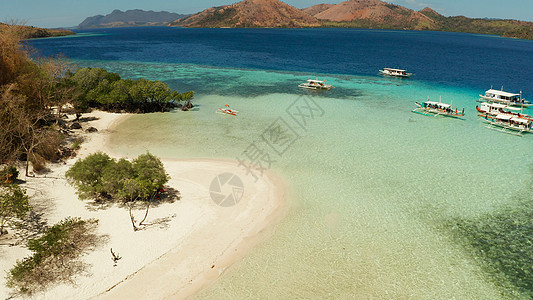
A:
[(68, 13)]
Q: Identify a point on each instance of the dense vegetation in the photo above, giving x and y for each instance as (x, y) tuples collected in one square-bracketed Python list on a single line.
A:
[(104, 90), (505, 28), (28, 91), (55, 256), (102, 178), (220, 18), (34, 92)]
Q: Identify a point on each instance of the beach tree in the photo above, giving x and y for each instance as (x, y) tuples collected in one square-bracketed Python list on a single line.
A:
[(13, 205), (87, 176), (150, 174), (102, 178), (102, 89)]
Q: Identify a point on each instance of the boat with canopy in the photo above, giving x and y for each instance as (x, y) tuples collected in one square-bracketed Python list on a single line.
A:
[(511, 99), (315, 84), (395, 72), (433, 108), (509, 124)]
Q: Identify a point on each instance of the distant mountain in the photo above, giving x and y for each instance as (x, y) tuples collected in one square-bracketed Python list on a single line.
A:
[(30, 32), (130, 18), (250, 13), (382, 15), (377, 14), (316, 9), (354, 13)]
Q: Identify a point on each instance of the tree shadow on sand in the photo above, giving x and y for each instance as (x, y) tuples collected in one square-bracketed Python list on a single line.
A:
[(41, 271)]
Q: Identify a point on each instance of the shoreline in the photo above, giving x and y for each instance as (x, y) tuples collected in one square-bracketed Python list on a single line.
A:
[(187, 244)]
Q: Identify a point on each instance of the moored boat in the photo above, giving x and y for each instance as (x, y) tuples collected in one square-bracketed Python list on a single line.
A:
[(493, 109), (432, 108), (315, 84), (511, 99), (509, 124), (395, 72)]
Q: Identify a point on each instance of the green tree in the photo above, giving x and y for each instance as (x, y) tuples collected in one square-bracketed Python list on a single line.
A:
[(102, 178), (86, 174), (115, 176), (150, 174), (13, 205), (101, 89)]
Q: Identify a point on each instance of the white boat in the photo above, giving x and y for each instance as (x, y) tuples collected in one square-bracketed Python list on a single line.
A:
[(509, 124), (494, 109), (505, 98), (432, 108), (315, 84), (395, 72)]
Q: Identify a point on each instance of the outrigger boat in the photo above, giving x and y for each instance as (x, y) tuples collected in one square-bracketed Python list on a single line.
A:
[(395, 72), (509, 124), (493, 109), (506, 98), (227, 111), (432, 108), (315, 84)]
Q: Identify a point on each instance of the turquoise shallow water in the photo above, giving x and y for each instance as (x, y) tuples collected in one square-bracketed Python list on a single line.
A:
[(371, 181)]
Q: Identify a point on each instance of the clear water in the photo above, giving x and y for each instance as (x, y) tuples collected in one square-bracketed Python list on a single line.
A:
[(371, 181)]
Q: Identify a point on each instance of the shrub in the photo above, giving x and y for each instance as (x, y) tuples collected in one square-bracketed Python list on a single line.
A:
[(55, 256), (8, 174), (13, 204), (86, 175), (101, 178)]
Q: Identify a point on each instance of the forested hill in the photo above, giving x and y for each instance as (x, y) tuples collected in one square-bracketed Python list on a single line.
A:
[(373, 14), (30, 32)]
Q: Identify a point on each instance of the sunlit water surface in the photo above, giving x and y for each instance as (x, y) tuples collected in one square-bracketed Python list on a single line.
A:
[(372, 184)]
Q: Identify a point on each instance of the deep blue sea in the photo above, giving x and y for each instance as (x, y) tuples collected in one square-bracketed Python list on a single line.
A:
[(453, 59), (384, 203)]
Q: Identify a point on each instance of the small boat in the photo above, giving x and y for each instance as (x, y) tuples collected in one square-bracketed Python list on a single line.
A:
[(506, 98), (395, 72), (432, 108), (493, 109), (315, 84), (228, 111), (509, 124)]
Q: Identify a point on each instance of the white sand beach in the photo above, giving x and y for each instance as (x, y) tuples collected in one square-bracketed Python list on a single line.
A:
[(187, 243)]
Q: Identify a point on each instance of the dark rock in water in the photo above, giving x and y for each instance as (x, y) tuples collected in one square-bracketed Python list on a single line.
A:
[(75, 125), (91, 129)]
